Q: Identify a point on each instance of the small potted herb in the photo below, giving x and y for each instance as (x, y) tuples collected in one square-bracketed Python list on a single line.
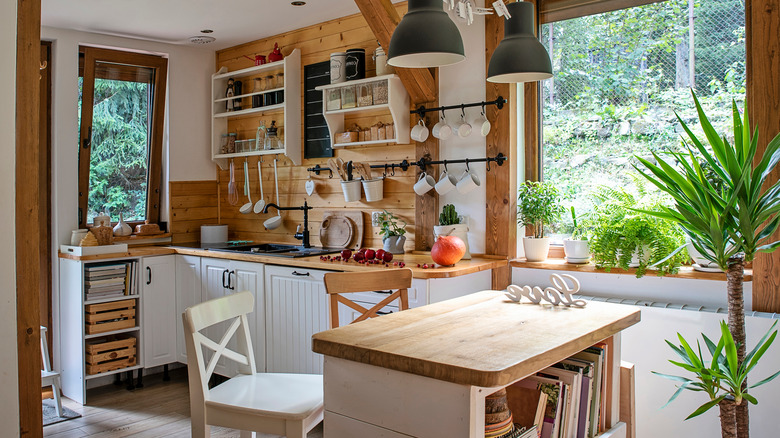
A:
[(392, 232), (449, 225), (576, 248), (538, 205)]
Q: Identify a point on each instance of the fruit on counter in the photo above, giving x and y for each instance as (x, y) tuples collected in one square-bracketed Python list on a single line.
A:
[(448, 250), (346, 254), (370, 254), (387, 256), (359, 257), (380, 254)]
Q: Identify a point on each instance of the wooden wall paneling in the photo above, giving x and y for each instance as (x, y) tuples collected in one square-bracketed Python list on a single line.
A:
[(762, 19), (501, 201), (29, 215), (193, 203)]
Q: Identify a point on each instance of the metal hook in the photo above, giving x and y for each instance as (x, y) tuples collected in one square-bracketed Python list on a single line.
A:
[(442, 114), (384, 172), (445, 167), (261, 159), (487, 163), (483, 109), (467, 164), (463, 111), (392, 170)]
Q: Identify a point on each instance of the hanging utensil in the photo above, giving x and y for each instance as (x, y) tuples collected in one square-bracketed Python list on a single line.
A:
[(274, 222), (260, 205), (335, 166), (232, 194), (246, 208)]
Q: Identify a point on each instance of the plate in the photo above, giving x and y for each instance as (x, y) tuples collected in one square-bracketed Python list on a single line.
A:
[(700, 268), (577, 260)]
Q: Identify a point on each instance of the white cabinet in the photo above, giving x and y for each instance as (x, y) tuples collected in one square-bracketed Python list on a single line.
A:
[(188, 293), (158, 306), (296, 308)]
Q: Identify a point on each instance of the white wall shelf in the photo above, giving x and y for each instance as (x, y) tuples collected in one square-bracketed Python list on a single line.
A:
[(291, 108)]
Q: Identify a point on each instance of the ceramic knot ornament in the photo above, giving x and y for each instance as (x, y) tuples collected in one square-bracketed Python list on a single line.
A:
[(121, 228), (276, 54), (559, 294)]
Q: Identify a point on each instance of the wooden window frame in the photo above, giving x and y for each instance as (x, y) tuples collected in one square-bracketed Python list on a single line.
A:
[(154, 166)]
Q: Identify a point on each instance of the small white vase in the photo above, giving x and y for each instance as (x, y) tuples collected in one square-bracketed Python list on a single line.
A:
[(536, 249), (576, 250), (458, 230), (121, 228), (394, 244)]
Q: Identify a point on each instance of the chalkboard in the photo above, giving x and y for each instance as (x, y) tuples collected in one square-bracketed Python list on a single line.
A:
[(316, 139)]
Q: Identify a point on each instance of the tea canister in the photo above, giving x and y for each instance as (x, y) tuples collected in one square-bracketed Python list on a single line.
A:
[(356, 64), (380, 60), (338, 67)]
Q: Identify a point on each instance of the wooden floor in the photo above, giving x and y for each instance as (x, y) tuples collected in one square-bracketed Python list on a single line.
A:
[(159, 409)]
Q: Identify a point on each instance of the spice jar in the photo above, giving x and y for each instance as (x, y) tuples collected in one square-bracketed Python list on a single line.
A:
[(333, 99), (379, 89), (364, 95), (257, 99), (348, 98), (280, 80)]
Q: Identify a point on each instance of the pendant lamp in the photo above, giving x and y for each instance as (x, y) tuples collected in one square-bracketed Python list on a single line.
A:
[(520, 57), (425, 37)]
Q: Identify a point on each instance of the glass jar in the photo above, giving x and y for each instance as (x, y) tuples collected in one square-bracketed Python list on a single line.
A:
[(257, 99), (228, 143), (379, 89), (348, 98), (364, 93), (333, 99), (272, 140), (270, 82), (280, 80)]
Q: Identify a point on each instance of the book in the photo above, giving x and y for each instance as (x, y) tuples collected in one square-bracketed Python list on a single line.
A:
[(585, 369), (595, 356), (527, 404), (554, 390), (571, 399)]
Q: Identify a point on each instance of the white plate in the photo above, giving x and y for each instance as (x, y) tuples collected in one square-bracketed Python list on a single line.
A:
[(700, 268), (577, 260)]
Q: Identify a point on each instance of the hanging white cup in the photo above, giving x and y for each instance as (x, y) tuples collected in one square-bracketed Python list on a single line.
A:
[(468, 182), (446, 183), (482, 124), (463, 128), (442, 130), (419, 132), (424, 184)]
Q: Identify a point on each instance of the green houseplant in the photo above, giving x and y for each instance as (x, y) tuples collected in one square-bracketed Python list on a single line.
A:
[(449, 225), (622, 237), (392, 229), (538, 205), (728, 223), (576, 247)]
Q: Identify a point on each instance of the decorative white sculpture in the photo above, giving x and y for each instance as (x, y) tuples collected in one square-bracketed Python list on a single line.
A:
[(559, 294)]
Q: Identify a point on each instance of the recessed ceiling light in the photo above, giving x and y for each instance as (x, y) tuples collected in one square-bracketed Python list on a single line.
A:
[(200, 39), (297, 3), (207, 31)]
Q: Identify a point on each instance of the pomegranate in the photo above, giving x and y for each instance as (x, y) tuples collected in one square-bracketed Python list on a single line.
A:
[(448, 250), (346, 254), (386, 256), (359, 257), (370, 254)]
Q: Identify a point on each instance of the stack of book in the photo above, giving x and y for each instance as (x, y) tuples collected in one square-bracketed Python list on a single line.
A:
[(108, 280)]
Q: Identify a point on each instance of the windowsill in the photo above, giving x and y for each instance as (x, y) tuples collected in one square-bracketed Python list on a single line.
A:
[(559, 264)]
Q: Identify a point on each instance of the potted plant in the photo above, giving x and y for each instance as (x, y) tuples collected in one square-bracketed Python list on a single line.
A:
[(622, 237), (449, 225), (727, 224), (538, 205), (576, 247), (392, 232)]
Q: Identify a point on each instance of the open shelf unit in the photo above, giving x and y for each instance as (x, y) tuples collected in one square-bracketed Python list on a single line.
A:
[(290, 108), (397, 106)]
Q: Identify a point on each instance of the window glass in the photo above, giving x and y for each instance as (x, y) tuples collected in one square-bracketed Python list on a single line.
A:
[(618, 79)]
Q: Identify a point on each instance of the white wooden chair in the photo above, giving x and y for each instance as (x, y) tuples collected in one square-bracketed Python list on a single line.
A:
[(281, 404), (49, 377)]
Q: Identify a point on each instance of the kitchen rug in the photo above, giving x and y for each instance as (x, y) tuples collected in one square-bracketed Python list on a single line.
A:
[(50, 413)]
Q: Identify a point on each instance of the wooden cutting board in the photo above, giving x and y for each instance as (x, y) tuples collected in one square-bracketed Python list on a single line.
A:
[(355, 220), (336, 232)]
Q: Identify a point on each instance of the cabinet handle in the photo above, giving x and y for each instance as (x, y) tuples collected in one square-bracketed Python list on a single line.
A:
[(224, 281), (301, 274), (149, 271), (230, 280), (379, 312)]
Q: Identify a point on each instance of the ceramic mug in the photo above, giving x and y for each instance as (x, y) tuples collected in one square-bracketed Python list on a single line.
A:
[(482, 124), (442, 130), (468, 182), (419, 132), (446, 183), (424, 184), (463, 128)]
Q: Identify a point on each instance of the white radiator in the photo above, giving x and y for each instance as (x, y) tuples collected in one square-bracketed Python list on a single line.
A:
[(643, 345)]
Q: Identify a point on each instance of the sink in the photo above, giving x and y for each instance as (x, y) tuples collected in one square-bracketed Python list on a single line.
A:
[(278, 250)]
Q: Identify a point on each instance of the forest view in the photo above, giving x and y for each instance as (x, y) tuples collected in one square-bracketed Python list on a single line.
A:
[(618, 79)]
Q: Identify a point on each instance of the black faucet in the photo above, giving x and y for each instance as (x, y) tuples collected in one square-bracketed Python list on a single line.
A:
[(298, 235)]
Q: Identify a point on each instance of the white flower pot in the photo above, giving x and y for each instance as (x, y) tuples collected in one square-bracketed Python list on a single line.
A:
[(394, 244), (536, 249), (700, 263), (458, 230), (576, 250)]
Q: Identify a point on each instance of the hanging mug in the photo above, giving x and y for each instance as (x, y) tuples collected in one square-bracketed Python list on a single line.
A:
[(338, 65)]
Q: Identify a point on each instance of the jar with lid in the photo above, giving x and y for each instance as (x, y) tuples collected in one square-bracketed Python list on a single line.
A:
[(260, 136), (348, 98), (333, 99), (364, 93), (228, 145), (379, 89), (380, 60), (257, 99), (270, 82), (279, 80), (272, 137)]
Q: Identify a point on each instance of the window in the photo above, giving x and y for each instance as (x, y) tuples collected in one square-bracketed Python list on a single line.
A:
[(618, 79), (122, 95)]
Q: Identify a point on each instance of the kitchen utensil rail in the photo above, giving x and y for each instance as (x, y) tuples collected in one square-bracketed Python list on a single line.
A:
[(499, 103), (422, 163)]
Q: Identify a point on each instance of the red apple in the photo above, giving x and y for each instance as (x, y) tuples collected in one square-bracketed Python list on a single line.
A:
[(359, 257), (380, 253), (346, 254), (370, 254), (387, 256), (448, 250)]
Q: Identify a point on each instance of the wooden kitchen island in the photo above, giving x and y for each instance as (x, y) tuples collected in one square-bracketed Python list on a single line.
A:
[(426, 372)]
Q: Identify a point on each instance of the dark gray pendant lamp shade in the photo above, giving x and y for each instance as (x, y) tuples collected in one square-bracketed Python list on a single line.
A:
[(520, 57), (425, 37)]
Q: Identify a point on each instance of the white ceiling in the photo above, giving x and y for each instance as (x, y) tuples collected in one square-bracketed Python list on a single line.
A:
[(174, 21)]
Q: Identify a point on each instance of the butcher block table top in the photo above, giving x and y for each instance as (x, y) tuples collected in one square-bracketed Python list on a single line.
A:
[(483, 339)]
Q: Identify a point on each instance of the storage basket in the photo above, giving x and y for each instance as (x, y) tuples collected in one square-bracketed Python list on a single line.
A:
[(351, 190), (374, 189), (106, 317), (109, 354)]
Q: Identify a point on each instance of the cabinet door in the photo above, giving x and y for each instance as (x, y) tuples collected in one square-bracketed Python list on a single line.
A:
[(158, 306), (214, 280), (188, 293), (295, 309), (249, 277)]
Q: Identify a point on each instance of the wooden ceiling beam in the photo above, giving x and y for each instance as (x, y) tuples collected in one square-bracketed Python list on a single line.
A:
[(382, 18)]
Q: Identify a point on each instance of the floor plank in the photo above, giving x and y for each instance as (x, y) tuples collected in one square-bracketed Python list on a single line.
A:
[(159, 409)]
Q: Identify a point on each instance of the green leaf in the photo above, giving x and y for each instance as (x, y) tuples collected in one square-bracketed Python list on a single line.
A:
[(767, 380), (705, 407)]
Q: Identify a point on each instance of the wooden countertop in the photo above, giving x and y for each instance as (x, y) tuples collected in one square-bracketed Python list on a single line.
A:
[(463, 267), (483, 339)]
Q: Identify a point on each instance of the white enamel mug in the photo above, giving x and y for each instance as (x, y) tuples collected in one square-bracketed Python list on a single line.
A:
[(419, 132), (463, 128), (468, 182), (446, 183), (424, 184), (442, 130), (482, 124)]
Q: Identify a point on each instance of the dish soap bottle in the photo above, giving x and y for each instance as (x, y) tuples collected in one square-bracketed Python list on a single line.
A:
[(272, 138)]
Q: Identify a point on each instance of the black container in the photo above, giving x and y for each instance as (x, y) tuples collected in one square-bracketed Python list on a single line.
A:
[(279, 96), (237, 90), (356, 64), (269, 98)]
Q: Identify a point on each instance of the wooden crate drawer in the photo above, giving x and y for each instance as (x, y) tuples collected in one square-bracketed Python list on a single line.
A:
[(106, 317), (110, 354)]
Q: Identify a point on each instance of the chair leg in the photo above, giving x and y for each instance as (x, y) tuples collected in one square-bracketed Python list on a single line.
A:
[(294, 429), (246, 434), (55, 388), (200, 429)]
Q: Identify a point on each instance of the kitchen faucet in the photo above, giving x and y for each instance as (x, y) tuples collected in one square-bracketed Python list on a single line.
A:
[(298, 235)]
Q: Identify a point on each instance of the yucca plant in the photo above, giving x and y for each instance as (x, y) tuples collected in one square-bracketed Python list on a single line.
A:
[(729, 223)]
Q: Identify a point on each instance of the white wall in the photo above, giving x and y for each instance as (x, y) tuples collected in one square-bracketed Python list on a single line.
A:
[(9, 378), (186, 154), (465, 83)]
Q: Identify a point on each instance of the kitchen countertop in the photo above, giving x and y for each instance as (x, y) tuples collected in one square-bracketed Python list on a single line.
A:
[(463, 267), (482, 339)]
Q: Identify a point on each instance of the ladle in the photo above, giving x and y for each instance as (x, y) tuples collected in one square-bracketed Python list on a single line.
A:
[(246, 208), (261, 203), (274, 222)]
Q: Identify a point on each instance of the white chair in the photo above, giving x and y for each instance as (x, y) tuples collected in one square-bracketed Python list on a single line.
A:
[(49, 377), (281, 404)]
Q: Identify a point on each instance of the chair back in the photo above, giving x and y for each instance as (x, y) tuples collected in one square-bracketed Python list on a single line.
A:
[(339, 283), (231, 309), (45, 362)]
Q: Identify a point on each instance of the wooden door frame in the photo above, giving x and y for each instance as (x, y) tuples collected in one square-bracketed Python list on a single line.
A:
[(45, 169)]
